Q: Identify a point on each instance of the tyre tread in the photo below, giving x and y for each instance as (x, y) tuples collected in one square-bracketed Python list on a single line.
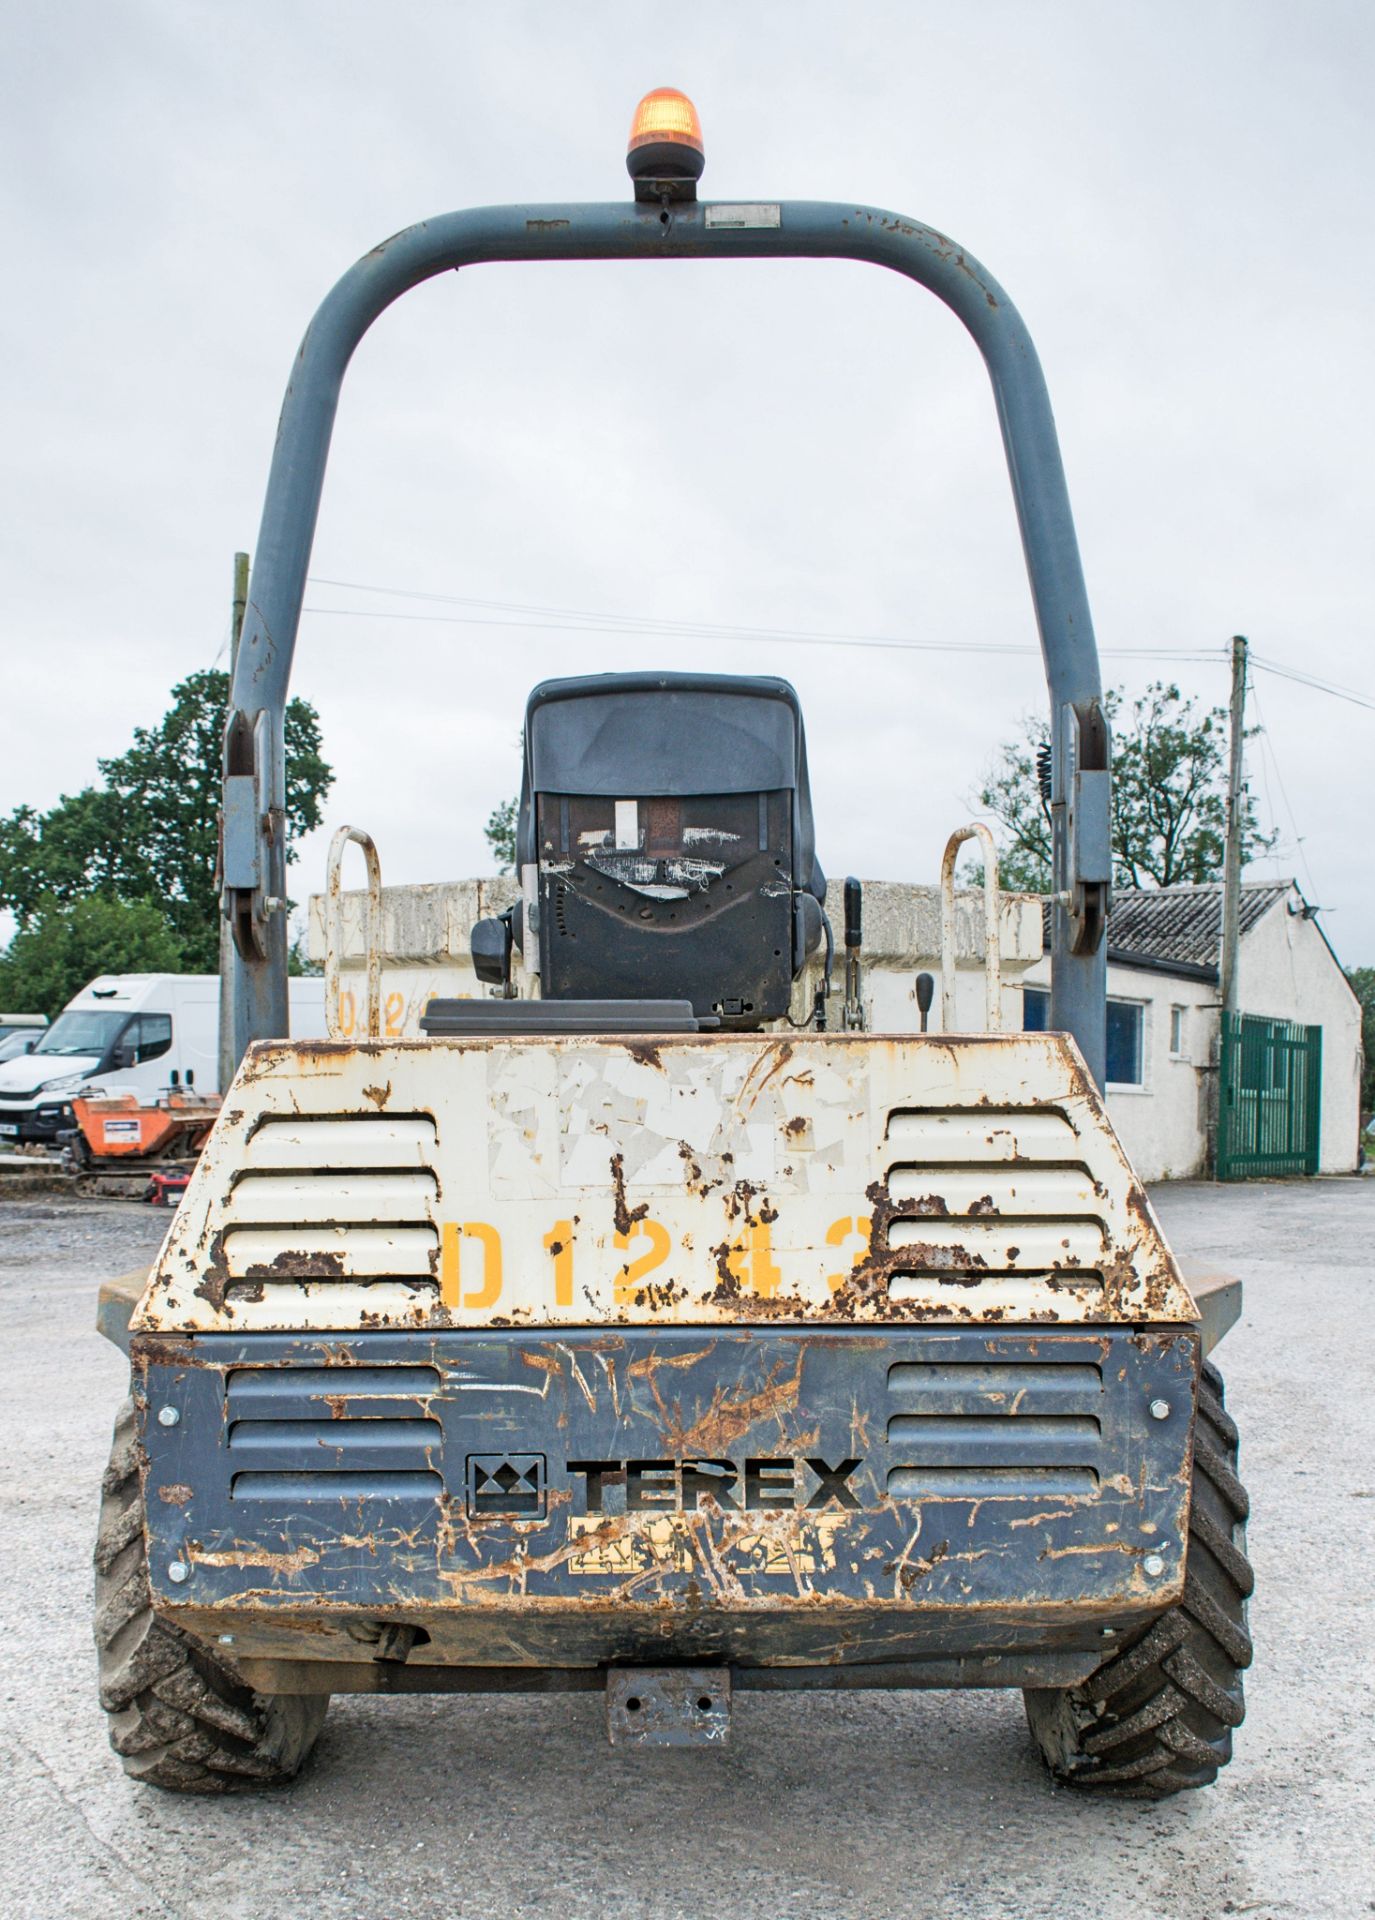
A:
[(1157, 1718), (179, 1719)]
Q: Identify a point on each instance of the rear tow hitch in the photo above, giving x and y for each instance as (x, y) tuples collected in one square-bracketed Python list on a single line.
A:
[(668, 1706)]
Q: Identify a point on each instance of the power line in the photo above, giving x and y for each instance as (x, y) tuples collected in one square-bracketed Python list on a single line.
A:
[(223, 647), (578, 620), (1284, 794), (1272, 852), (1312, 680), (541, 618), (664, 631)]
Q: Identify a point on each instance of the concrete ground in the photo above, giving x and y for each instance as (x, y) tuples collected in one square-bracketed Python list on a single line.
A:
[(854, 1805)]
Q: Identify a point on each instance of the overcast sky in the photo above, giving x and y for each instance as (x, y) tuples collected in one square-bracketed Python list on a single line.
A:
[(1177, 196)]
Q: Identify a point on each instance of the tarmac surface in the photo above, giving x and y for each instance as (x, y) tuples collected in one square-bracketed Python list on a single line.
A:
[(868, 1805)]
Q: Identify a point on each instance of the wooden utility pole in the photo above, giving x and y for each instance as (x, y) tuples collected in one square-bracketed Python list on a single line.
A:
[(1231, 864), (238, 607)]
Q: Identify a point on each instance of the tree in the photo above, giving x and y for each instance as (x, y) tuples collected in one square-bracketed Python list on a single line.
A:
[(1169, 796), (299, 964), (65, 944), (500, 833), (150, 832), (1362, 982), (170, 781), (86, 844)]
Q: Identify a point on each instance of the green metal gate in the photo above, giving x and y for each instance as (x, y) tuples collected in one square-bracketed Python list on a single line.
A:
[(1271, 1087)]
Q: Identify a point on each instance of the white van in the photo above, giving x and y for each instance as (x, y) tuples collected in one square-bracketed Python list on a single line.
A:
[(140, 1032), (19, 1033)]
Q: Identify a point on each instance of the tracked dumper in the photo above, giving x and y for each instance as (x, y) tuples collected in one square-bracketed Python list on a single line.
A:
[(634, 1328)]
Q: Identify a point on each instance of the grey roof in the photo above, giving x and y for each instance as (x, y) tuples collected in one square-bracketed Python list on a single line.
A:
[(1179, 929), (1183, 923)]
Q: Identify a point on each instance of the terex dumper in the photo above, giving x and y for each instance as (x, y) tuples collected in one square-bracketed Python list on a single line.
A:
[(634, 1328)]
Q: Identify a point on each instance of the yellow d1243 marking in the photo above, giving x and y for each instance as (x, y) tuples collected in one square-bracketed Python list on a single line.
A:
[(450, 1264), (393, 1014), (750, 1259), (559, 1242), (634, 1271), (837, 1234), (472, 1278)]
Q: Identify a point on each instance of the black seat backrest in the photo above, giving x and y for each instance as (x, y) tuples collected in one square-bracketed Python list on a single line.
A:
[(665, 830)]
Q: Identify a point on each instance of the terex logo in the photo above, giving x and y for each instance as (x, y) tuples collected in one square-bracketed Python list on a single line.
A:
[(758, 1485)]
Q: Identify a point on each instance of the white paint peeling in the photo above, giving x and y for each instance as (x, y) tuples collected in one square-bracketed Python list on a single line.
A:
[(686, 1180)]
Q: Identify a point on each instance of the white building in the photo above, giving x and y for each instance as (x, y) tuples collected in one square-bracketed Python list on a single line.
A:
[(1163, 1013), (424, 931), (1163, 1021)]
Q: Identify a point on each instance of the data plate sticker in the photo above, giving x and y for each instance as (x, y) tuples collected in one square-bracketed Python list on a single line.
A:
[(753, 214)]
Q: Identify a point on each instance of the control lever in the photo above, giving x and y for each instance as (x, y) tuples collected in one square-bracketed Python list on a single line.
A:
[(853, 1017), (926, 993)]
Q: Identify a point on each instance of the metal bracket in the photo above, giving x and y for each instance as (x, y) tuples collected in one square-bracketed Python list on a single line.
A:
[(252, 823), (668, 1706), (1089, 830), (242, 861), (1218, 1299)]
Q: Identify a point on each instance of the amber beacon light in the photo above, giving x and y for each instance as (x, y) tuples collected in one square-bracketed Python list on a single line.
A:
[(666, 155)]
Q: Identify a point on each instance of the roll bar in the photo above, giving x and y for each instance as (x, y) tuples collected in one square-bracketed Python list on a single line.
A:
[(254, 838), (334, 933), (993, 948)]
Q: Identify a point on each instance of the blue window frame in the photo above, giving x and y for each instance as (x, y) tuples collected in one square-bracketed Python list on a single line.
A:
[(1125, 1028), (1125, 1024)]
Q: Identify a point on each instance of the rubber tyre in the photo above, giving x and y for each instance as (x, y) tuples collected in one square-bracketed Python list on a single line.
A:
[(179, 1717), (1159, 1716)]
